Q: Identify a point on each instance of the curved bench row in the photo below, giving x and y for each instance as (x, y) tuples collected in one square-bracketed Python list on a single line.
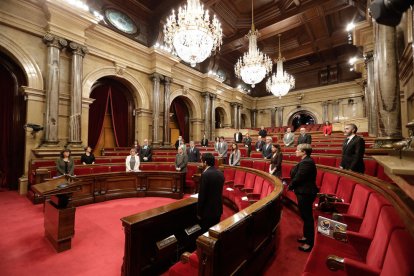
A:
[(241, 244)]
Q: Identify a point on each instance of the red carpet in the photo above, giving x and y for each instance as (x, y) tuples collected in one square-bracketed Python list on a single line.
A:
[(97, 248)]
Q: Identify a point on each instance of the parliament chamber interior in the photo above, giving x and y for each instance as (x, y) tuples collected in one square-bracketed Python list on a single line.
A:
[(112, 110)]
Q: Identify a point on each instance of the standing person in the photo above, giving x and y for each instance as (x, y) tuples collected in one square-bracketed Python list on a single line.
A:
[(179, 142), (238, 136), (145, 153), (235, 155), (303, 183), (216, 144), (65, 164), (88, 158), (247, 141), (193, 153), (222, 150), (262, 131), (259, 144), (288, 138), (210, 205), (204, 141), (136, 146), (327, 129), (304, 138), (132, 161), (181, 160), (267, 148), (353, 150), (275, 167)]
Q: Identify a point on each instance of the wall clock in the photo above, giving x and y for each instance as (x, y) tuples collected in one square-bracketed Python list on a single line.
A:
[(121, 21)]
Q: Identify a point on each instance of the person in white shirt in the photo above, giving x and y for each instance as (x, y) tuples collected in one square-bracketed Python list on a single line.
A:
[(132, 161)]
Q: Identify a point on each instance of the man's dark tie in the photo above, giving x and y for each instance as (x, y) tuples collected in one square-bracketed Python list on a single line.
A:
[(346, 142)]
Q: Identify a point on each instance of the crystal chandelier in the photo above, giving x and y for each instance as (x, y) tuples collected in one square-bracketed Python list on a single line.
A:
[(280, 83), (192, 34), (254, 65)]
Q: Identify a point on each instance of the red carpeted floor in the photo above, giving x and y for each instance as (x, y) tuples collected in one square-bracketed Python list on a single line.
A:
[(97, 248)]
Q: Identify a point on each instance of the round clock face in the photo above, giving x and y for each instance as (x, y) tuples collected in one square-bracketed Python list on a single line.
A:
[(121, 21)]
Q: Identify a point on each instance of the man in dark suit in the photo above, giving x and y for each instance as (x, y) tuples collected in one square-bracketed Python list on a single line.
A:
[(247, 141), (145, 152), (193, 153), (210, 205), (179, 142), (238, 136), (259, 144), (353, 150), (262, 131), (304, 138), (267, 148), (204, 141)]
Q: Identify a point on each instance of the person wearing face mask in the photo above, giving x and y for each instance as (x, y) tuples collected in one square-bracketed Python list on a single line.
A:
[(145, 153)]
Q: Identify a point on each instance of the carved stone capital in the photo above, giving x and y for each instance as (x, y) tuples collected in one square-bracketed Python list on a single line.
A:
[(156, 77), (205, 94), (167, 80), (54, 41), (78, 49)]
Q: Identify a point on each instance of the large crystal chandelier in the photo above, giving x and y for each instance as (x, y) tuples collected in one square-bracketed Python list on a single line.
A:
[(192, 34), (254, 65), (280, 83)]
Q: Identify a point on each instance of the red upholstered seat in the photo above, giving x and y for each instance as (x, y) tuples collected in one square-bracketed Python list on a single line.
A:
[(259, 165), (357, 207), (118, 168), (398, 259), (329, 183), (189, 182), (76, 161), (243, 151), (248, 163), (160, 159), (345, 189), (167, 167), (229, 174), (327, 160), (148, 167), (100, 169), (381, 174), (248, 182), (315, 159), (319, 177), (371, 166), (338, 161), (102, 160), (256, 155), (82, 171), (266, 167), (239, 177)]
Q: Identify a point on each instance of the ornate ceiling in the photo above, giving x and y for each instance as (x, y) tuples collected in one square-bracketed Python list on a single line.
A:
[(314, 40)]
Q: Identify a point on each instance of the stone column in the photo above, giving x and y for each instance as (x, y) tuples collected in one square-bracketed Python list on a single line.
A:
[(167, 92), (207, 113), (213, 117), (239, 107), (335, 111), (253, 114), (280, 116), (370, 97), (386, 85), (54, 45), (234, 115), (325, 111), (75, 126), (273, 117), (156, 78)]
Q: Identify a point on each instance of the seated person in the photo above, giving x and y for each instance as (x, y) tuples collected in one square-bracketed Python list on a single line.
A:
[(88, 158), (132, 161), (65, 164)]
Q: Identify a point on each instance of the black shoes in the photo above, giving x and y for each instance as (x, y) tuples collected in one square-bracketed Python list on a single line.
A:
[(301, 240), (305, 249)]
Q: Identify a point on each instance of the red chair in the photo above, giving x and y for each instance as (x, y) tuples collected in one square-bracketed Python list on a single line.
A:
[(345, 189), (248, 163), (327, 161), (371, 166), (259, 165), (189, 182), (100, 169), (118, 168), (82, 171)]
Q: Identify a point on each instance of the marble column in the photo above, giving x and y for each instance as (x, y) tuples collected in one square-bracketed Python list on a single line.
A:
[(335, 111), (167, 92), (156, 79), (239, 107), (207, 113), (213, 117), (370, 96), (233, 115), (273, 117), (54, 45), (75, 126), (280, 116), (325, 111), (386, 85), (253, 114)]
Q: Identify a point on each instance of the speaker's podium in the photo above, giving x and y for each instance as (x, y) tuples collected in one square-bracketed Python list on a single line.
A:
[(59, 214)]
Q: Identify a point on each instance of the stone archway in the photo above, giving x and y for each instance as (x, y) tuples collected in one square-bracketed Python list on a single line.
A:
[(220, 117), (302, 117)]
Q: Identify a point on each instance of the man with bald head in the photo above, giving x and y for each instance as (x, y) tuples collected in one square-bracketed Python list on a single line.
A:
[(145, 152), (304, 138)]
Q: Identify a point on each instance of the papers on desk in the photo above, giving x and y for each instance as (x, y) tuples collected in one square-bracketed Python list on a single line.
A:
[(194, 196), (245, 198), (230, 189)]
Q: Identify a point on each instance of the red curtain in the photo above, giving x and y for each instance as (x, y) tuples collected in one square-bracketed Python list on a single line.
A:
[(119, 109), (181, 114), (97, 113)]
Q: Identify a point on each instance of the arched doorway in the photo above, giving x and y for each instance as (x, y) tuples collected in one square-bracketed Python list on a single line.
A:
[(111, 120), (302, 117), (243, 121), (219, 117), (12, 119), (180, 120)]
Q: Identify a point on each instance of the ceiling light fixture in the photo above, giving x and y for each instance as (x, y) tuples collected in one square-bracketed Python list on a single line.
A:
[(280, 82), (254, 65), (192, 34)]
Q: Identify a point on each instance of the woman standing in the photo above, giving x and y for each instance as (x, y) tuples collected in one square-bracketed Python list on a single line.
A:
[(216, 143), (88, 157), (303, 183), (132, 161), (181, 160), (65, 164), (234, 159), (275, 167), (327, 128)]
